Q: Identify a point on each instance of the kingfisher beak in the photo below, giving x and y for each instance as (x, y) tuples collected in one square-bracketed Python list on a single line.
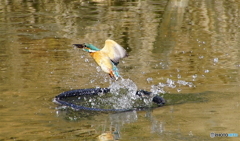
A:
[(79, 45)]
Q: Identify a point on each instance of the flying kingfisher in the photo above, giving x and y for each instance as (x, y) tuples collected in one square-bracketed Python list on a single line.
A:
[(108, 57)]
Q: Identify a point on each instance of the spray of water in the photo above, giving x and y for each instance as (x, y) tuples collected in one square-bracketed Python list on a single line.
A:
[(122, 96), (155, 89), (123, 93)]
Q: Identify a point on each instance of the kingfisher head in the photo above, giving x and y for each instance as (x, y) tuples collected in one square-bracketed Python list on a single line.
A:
[(87, 47)]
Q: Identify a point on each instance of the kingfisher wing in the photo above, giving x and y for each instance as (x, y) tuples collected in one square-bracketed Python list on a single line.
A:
[(114, 51), (102, 60)]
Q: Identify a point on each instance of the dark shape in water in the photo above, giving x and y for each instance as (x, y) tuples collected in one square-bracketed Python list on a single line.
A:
[(94, 91)]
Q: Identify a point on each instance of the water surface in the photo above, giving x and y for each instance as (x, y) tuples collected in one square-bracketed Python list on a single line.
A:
[(188, 51)]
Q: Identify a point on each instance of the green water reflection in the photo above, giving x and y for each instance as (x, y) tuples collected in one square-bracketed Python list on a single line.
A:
[(191, 46)]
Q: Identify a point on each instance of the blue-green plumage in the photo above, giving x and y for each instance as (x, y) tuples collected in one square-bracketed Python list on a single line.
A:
[(92, 47), (115, 70)]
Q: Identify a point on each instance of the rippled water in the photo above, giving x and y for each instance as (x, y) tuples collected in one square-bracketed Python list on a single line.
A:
[(188, 51)]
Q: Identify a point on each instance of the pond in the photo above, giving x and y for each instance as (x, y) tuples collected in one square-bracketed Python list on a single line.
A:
[(186, 51)]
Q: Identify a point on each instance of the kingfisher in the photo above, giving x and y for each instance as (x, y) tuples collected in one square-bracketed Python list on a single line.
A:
[(108, 57)]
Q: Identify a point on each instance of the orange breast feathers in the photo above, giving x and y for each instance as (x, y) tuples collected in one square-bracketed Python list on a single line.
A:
[(102, 60)]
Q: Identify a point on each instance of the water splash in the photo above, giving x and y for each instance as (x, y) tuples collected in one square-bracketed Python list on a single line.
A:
[(122, 96), (124, 93), (124, 84), (155, 89)]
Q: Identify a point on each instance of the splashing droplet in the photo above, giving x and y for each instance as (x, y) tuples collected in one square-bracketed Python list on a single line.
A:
[(179, 90), (190, 133), (86, 60), (215, 60), (179, 76), (98, 69), (123, 84), (194, 76), (149, 79)]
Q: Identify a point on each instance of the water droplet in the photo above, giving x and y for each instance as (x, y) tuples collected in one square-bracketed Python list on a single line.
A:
[(206, 71), (98, 69), (92, 81), (190, 133), (86, 60), (171, 83), (215, 60), (179, 90), (155, 89), (194, 76), (179, 76), (182, 82), (149, 79), (105, 79)]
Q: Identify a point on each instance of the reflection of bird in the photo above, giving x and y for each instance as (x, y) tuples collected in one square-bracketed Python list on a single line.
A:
[(108, 57)]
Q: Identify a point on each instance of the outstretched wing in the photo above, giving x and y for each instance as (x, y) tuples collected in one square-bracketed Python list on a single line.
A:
[(114, 51)]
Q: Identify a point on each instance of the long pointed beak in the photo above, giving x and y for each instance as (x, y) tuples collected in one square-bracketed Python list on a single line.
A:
[(79, 45)]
